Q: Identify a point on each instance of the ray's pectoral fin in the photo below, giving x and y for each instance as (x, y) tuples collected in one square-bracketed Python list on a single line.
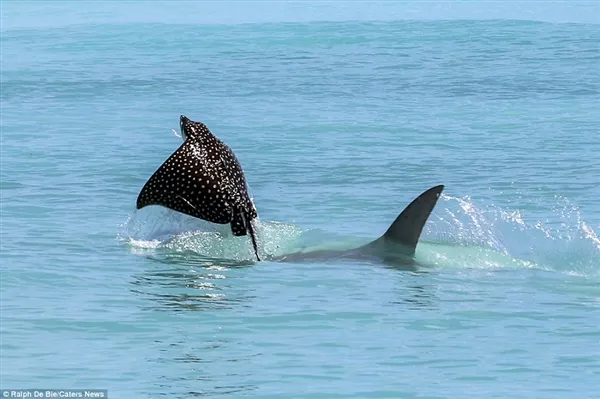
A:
[(408, 226), (185, 183)]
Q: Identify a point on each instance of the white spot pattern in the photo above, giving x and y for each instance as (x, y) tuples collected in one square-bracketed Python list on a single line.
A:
[(204, 179)]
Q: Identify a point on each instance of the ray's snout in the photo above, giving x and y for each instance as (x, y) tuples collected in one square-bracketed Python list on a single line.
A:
[(183, 120)]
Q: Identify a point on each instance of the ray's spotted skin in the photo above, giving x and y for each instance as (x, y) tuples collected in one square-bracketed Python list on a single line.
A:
[(203, 179)]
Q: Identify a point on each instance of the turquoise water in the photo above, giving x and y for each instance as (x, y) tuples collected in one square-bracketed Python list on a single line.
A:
[(338, 125)]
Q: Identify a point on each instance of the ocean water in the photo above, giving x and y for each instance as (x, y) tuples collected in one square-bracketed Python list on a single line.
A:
[(338, 125)]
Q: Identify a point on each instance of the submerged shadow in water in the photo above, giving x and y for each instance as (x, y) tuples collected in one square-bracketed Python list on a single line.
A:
[(189, 283)]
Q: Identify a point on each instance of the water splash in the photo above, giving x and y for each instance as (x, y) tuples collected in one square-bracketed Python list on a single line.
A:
[(561, 241), (156, 230)]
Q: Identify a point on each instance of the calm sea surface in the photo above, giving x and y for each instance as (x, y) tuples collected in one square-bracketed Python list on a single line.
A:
[(338, 126)]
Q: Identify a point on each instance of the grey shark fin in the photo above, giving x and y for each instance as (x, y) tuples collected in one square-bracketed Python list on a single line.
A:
[(408, 226)]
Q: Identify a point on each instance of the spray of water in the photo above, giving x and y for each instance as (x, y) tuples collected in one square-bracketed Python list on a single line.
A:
[(494, 236), (158, 230)]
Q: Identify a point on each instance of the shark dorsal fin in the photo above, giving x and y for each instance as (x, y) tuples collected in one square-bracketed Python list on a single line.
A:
[(408, 226)]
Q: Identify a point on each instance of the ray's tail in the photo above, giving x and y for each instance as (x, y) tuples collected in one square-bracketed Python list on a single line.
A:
[(252, 232), (245, 226)]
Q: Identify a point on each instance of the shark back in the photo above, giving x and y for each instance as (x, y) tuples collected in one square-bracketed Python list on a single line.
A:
[(395, 247)]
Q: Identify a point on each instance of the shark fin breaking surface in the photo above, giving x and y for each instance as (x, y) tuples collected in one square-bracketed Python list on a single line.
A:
[(406, 229)]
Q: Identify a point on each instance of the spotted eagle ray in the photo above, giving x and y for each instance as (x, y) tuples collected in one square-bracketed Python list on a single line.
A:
[(204, 179)]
